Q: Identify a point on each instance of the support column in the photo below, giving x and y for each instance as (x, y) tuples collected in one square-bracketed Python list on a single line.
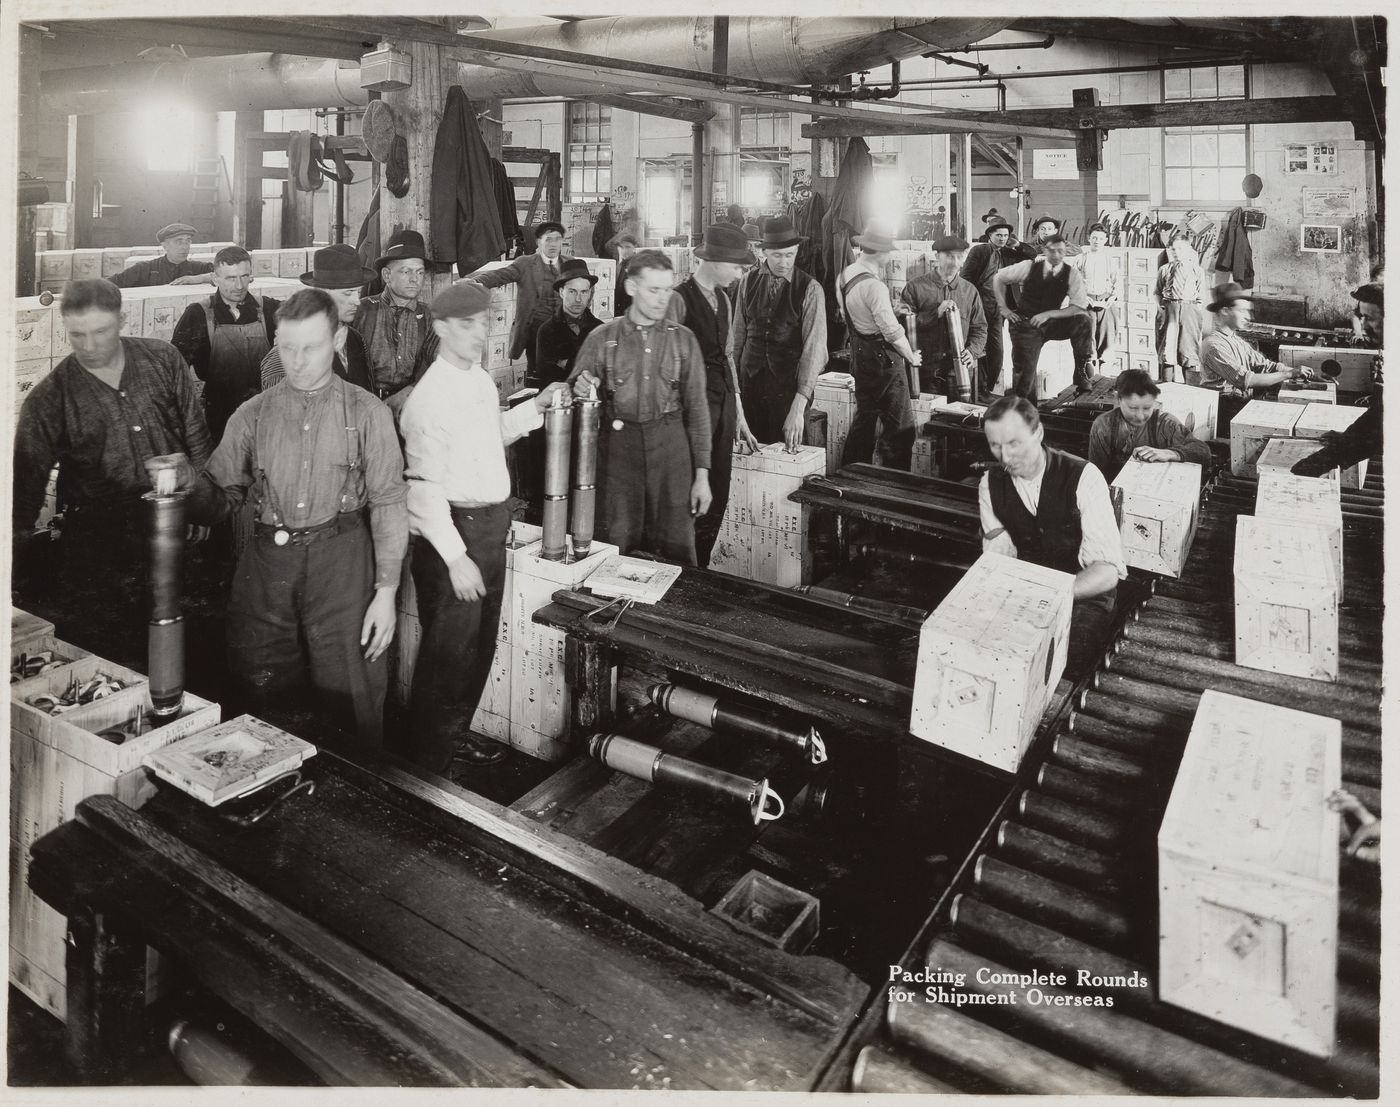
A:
[(83, 172), (419, 111), (697, 183), (247, 181)]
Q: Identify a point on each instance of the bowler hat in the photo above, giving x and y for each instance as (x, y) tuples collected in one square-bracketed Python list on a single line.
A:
[(170, 230), (998, 224), (1223, 295), (337, 267), (544, 228), (779, 233), (877, 242), (402, 246), (725, 242), (571, 269), (461, 300), (949, 244), (1039, 219)]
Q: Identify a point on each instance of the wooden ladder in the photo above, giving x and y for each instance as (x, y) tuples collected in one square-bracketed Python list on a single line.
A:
[(547, 184)]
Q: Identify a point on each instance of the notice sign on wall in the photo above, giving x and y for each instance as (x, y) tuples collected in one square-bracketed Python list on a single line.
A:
[(1318, 158), (1329, 203), (1055, 165)]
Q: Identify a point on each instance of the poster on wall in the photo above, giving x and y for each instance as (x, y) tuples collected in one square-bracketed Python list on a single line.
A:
[(1055, 165), (1316, 158), (1320, 239), (1329, 203)]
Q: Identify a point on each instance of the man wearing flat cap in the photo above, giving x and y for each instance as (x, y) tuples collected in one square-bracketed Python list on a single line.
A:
[(455, 436), (336, 271), (1042, 228), (173, 267), (984, 260), (703, 305), (931, 298), (779, 337), (536, 299), (1228, 363), (396, 326)]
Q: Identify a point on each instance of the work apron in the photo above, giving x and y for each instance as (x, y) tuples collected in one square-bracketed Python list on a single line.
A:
[(882, 396), (236, 351)]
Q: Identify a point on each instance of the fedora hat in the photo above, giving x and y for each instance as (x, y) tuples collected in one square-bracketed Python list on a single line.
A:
[(1224, 295), (725, 242), (998, 224), (571, 269), (779, 233), (875, 241), (1039, 219), (337, 267), (402, 245)]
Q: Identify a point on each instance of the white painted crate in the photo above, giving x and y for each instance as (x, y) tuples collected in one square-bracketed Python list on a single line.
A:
[(1196, 409), (1286, 597), (1158, 506), (1248, 872), (1312, 501), (1318, 419), (835, 394), (1251, 429)]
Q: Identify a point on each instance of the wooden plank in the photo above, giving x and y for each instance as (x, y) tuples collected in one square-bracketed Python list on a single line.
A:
[(667, 107), (106, 998)]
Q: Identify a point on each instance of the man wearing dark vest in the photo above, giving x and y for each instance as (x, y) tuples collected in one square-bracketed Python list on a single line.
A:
[(558, 342), (1051, 305), (702, 304), (536, 300), (779, 338), (225, 338), (396, 325), (1052, 508), (983, 262)]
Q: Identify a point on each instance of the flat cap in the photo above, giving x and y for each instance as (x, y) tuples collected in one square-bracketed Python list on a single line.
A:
[(1373, 293), (950, 244), (170, 230), (461, 300)]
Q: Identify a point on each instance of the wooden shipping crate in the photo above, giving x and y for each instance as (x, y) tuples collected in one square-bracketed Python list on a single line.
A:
[(87, 264), (34, 722), (292, 262), (266, 263), (1318, 419), (27, 375), (1158, 506), (1251, 429), (1312, 501), (1286, 597), (1281, 454), (55, 265), (1352, 369), (835, 394), (1326, 394), (989, 658), (25, 628), (33, 329), (63, 652), (500, 319), (733, 552), (1196, 409), (1248, 871), (114, 260), (159, 314)]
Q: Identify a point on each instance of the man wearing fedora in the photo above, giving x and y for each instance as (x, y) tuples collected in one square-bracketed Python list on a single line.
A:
[(172, 267), (703, 305), (396, 326), (337, 271), (876, 337), (1042, 228), (929, 298), (779, 337), (559, 340), (536, 299), (654, 446), (1051, 306), (225, 338), (1229, 363), (984, 260)]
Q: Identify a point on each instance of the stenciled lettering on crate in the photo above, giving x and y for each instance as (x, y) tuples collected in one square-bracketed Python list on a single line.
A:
[(1286, 598), (1158, 507)]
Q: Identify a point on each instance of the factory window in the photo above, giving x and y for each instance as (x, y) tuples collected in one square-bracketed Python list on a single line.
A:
[(1203, 166), (1211, 82), (765, 155), (589, 152)]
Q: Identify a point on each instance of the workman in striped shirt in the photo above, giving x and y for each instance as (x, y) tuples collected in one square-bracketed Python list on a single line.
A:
[(1229, 363), (455, 436)]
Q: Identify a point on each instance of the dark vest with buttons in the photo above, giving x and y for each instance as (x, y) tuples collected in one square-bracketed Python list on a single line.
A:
[(710, 326), (773, 333), (1052, 535), (1041, 291)]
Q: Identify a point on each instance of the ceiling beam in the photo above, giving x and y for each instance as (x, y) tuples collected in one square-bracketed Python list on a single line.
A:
[(1283, 39), (668, 107), (236, 36), (1113, 117)]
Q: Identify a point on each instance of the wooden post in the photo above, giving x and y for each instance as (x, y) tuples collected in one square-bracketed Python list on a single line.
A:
[(106, 999), (84, 175), (419, 111), (247, 181), (298, 225)]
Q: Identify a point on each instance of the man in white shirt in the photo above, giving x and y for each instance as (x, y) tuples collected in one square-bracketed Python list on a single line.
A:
[(1053, 509), (458, 491), (1051, 305), (1101, 286)]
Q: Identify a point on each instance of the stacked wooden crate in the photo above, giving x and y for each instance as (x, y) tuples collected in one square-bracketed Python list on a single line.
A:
[(1321, 392), (764, 536), (1287, 597), (508, 375), (835, 394), (1353, 370), (1304, 501), (1252, 427), (923, 407), (1140, 309), (1317, 419), (55, 761), (1158, 506), (605, 269), (57, 267)]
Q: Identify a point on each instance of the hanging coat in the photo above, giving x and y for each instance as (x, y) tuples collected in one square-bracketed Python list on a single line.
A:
[(505, 201), (844, 219), (1233, 253), (466, 221), (603, 231), (807, 220)]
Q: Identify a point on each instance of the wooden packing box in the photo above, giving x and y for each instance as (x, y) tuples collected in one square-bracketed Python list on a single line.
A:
[(990, 656), (1284, 498), (33, 329), (1354, 368), (25, 628), (1314, 395), (1281, 454), (1286, 596), (835, 394), (159, 314), (771, 475), (539, 695), (55, 265), (87, 264), (733, 552), (34, 722), (1251, 429), (922, 462), (1317, 419), (74, 733), (27, 375), (62, 651), (1247, 861), (923, 407), (114, 260), (1158, 506), (292, 263), (1196, 409), (266, 263), (500, 319)]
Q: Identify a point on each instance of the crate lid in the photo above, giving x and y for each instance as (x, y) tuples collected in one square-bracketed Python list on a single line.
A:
[(1317, 419), (1265, 415), (1284, 552), (1169, 481)]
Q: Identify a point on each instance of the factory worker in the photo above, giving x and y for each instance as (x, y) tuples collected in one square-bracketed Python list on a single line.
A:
[(1052, 508), (929, 297), (105, 408), (335, 270), (654, 446), (878, 342), (627, 245), (396, 325), (1228, 362), (1050, 305), (779, 337), (173, 267), (459, 507), (558, 341), (1181, 295), (703, 305), (984, 260), (313, 594), (225, 338), (1364, 438), (1043, 228), (1138, 428), (536, 298), (1103, 287)]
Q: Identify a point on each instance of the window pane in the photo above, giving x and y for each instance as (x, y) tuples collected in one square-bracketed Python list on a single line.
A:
[(605, 132), (747, 130), (575, 181), (1178, 84), (1205, 186), (1231, 180), (1178, 184), (1204, 150), (606, 157), (1232, 148), (590, 180), (1178, 148), (1203, 84), (604, 180), (1231, 80)]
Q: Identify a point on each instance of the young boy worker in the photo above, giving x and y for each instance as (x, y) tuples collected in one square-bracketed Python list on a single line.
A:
[(458, 504)]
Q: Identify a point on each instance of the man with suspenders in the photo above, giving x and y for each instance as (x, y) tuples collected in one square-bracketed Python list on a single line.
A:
[(882, 386), (225, 338), (313, 594)]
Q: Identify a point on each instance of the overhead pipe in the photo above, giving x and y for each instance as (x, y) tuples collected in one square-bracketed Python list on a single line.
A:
[(870, 92), (1032, 44)]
